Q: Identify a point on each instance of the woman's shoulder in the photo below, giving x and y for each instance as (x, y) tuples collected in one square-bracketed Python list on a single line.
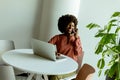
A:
[(59, 35), (56, 38)]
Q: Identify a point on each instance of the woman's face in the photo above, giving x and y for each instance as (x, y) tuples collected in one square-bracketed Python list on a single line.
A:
[(70, 28)]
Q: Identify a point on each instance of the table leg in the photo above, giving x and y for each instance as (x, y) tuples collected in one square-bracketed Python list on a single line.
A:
[(30, 76), (39, 77), (45, 77)]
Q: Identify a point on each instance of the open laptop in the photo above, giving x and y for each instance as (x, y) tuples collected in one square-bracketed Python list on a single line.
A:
[(46, 50)]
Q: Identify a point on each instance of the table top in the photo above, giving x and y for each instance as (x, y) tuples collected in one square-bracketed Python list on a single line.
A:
[(25, 60)]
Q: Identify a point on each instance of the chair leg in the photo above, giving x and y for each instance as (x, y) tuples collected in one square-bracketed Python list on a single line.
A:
[(30, 76), (39, 77)]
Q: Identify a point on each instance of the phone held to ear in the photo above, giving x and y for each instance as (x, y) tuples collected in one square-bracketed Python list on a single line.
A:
[(76, 32)]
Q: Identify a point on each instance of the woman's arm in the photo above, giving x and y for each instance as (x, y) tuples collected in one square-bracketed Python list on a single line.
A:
[(77, 47), (53, 40)]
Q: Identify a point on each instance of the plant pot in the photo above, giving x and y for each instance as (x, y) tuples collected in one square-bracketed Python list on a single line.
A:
[(108, 78)]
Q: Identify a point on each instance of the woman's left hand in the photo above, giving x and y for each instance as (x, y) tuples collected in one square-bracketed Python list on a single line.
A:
[(76, 33)]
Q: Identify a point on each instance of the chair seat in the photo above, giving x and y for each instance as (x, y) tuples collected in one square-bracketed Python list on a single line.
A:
[(85, 73), (70, 77)]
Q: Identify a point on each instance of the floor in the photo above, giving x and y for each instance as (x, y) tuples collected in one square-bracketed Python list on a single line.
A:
[(20, 78), (23, 77)]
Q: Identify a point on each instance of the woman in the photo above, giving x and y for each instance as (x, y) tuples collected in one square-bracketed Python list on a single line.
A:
[(68, 43)]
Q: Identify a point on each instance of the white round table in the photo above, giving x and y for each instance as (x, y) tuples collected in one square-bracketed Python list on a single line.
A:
[(25, 60)]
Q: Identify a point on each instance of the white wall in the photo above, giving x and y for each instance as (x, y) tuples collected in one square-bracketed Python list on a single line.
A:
[(51, 11), (18, 19), (98, 11)]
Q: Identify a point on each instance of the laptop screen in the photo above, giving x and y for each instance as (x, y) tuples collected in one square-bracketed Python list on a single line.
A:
[(44, 49)]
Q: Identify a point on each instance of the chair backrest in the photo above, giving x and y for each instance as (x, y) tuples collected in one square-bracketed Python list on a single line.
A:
[(80, 59), (5, 45), (85, 73), (6, 73)]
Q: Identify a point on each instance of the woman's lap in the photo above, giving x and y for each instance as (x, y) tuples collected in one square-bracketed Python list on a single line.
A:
[(58, 77)]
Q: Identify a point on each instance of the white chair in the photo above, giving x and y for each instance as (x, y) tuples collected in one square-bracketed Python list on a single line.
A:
[(80, 59), (5, 45), (6, 73), (85, 73)]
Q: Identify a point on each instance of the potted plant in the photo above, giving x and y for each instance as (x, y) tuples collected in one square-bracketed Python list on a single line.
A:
[(108, 46)]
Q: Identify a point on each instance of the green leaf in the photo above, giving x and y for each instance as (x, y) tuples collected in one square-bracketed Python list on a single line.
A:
[(105, 39), (103, 30), (105, 52), (92, 25), (101, 63), (99, 49), (113, 20), (108, 38), (113, 60), (109, 27), (118, 67), (116, 49), (100, 34), (116, 14), (106, 72), (112, 37), (117, 30), (99, 72), (113, 68)]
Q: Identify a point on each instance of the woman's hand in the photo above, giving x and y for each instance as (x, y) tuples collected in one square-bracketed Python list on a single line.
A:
[(76, 33), (57, 54), (73, 32)]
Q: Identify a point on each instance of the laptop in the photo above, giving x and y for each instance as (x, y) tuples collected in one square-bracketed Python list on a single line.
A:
[(46, 50)]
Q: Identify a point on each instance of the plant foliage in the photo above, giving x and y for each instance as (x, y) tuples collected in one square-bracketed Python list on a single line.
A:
[(108, 45)]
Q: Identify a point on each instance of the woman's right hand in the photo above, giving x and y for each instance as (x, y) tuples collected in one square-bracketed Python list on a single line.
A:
[(57, 54)]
